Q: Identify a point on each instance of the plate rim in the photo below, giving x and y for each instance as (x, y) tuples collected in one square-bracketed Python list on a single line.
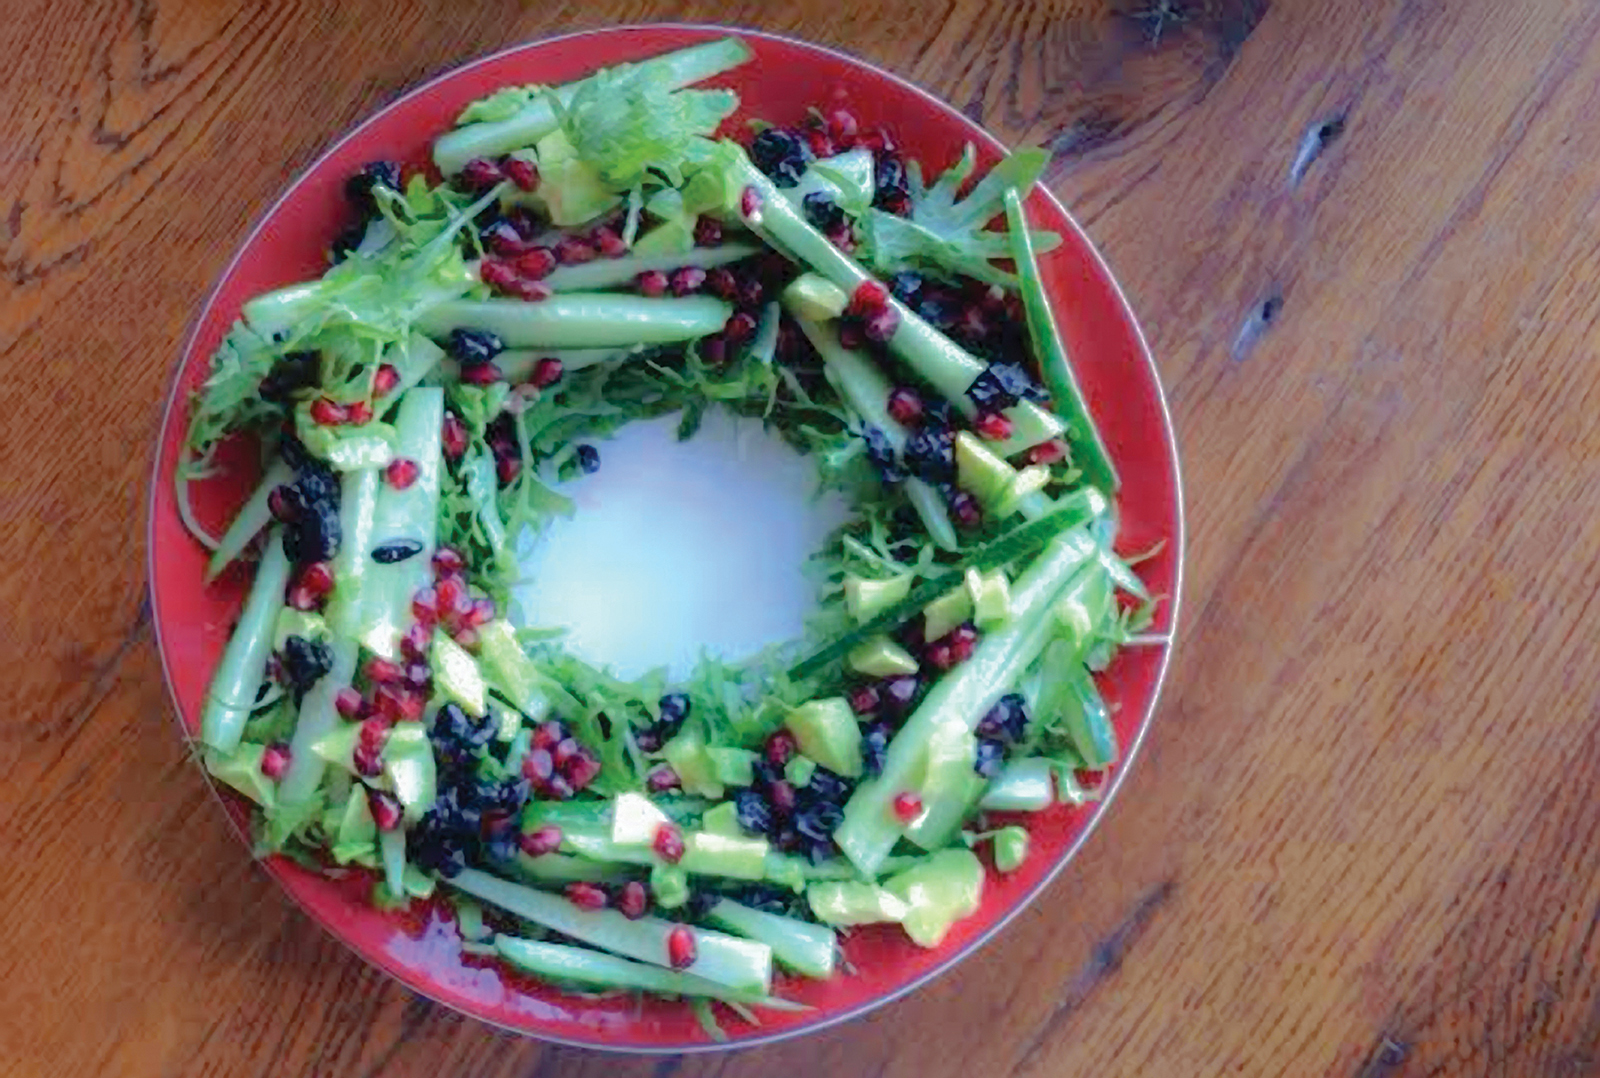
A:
[(1068, 853)]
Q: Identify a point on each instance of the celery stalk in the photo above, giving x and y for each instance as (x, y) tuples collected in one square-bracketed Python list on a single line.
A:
[(614, 272), (412, 513), (862, 386), (244, 661), (962, 696), (538, 118), (741, 965), (947, 366), (808, 949), (593, 969), (252, 517), (581, 319)]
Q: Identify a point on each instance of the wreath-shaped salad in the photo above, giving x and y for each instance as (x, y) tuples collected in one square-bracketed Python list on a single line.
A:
[(575, 258)]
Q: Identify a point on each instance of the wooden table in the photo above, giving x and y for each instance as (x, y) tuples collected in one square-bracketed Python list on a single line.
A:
[(1364, 237)]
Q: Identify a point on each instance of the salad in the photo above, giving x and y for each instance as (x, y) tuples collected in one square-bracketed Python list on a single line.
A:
[(574, 258)]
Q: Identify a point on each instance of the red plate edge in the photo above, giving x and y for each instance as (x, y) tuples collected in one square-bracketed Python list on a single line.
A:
[(1098, 323)]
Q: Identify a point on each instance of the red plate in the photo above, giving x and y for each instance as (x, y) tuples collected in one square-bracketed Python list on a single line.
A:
[(1108, 351)]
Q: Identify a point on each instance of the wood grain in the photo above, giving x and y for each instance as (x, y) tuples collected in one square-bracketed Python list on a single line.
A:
[(1364, 237)]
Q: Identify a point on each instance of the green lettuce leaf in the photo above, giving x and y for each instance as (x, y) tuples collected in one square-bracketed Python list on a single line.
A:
[(630, 124)]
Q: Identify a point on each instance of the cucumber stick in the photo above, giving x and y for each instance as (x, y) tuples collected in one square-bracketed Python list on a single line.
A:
[(412, 513), (581, 319), (742, 965), (946, 366), (808, 949), (862, 386), (1024, 786), (962, 696), (244, 662), (1089, 451), (358, 505)]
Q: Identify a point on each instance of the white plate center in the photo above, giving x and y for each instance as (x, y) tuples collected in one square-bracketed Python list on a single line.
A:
[(679, 547)]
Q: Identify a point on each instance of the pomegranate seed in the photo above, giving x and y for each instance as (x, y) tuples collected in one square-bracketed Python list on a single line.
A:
[(499, 276), (864, 700), (907, 806), (940, 656), (374, 733), (851, 335), (661, 779), (842, 127), (447, 561), (385, 809), (451, 598), (303, 599), (547, 372), (398, 703), (1049, 452), (529, 291), (688, 280), (587, 896), (418, 675), (385, 381), (525, 174), (843, 238), (480, 614), (414, 643), (781, 747), (278, 505), (537, 765), (425, 605), (905, 406), (652, 283), (480, 374), (821, 145), (963, 641), (750, 202), (558, 788), (633, 901), (869, 297), (571, 251), (680, 947), (358, 414), (348, 703), (608, 243), (876, 141), (708, 232), (326, 413), (565, 750), (317, 578), (751, 292), (275, 760), (974, 323), (453, 436), (480, 174), (543, 840), (881, 325), (1091, 780), (582, 769), (502, 239), (781, 794), (547, 735), (741, 327), (506, 469), (668, 843), (993, 426), (965, 510), (401, 472), (714, 349), (369, 762), (381, 671), (536, 263), (720, 282), (467, 638)]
